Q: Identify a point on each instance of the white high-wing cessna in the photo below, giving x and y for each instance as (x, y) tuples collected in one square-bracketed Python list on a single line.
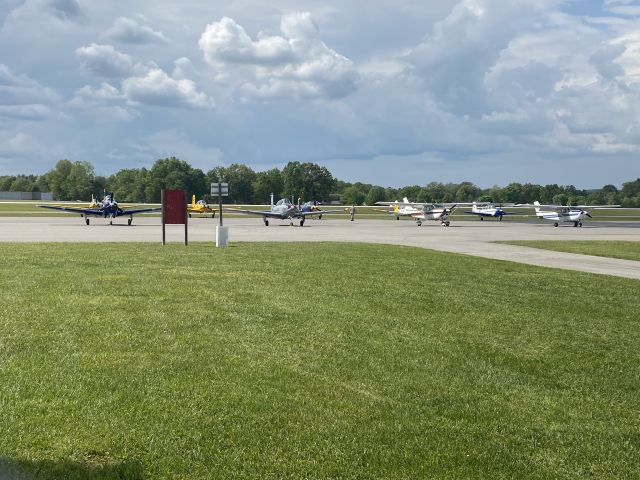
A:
[(560, 213), (426, 211), (404, 211)]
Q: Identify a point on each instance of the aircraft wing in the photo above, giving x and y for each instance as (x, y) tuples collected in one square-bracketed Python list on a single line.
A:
[(262, 213), (139, 210), (560, 207), (318, 212), (86, 211), (403, 204)]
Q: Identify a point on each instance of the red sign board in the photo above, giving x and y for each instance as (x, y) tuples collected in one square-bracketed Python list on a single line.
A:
[(174, 207)]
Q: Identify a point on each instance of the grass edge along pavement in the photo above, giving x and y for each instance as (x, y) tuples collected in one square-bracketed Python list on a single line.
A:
[(312, 361), (624, 249)]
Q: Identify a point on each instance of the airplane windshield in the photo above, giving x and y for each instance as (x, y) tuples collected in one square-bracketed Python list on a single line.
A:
[(283, 201)]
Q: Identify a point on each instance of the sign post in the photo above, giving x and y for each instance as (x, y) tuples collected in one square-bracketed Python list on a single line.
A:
[(174, 211), (222, 232)]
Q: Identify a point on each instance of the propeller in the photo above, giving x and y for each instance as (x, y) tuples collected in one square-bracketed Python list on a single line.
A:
[(588, 214)]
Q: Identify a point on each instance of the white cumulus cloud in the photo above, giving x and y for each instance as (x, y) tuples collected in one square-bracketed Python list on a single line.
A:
[(296, 64), (105, 61), (129, 30), (158, 88)]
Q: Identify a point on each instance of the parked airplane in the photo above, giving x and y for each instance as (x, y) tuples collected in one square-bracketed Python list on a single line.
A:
[(427, 211), (108, 208), (560, 213), (308, 207), (284, 210), (200, 207), (404, 211), (488, 210)]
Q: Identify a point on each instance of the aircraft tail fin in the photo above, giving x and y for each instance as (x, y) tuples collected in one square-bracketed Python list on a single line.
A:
[(405, 200), (537, 203)]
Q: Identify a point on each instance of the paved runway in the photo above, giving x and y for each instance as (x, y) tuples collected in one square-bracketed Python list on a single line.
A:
[(468, 237)]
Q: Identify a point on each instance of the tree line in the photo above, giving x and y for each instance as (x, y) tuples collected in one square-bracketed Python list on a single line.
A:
[(309, 181)]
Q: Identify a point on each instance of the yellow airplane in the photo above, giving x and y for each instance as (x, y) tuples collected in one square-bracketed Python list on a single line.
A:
[(200, 207)]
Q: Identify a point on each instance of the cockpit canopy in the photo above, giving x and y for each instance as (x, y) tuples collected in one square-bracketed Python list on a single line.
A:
[(284, 201), (201, 202)]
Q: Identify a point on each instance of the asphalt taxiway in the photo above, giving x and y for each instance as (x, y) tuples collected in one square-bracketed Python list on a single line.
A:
[(466, 237)]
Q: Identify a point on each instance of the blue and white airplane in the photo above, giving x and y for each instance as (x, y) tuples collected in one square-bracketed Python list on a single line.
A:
[(108, 208), (488, 210)]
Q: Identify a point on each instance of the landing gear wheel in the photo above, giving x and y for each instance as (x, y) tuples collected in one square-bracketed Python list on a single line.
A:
[(482, 219), (397, 218), (302, 222), (320, 217), (555, 224), (575, 224), (189, 215), (580, 224), (214, 215), (110, 222), (419, 223), (129, 221), (86, 220), (266, 222), (446, 224)]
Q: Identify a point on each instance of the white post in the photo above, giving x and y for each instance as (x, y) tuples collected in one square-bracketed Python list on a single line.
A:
[(222, 236)]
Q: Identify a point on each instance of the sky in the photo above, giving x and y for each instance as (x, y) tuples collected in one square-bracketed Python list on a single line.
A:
[(390, 93)]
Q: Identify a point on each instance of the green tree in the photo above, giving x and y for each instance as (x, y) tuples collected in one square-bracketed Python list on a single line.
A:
[(467, 192), (353, 195), (129, 185), (375, 194), (5, 182), (631, 189), (174, 174), (21, 184), (240, 179), (266, 183), (308, 181), (436, 191), (412, 192), (71, 180), (560, 199)]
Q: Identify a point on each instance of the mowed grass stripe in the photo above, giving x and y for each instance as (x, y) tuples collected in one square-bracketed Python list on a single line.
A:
[(312, 361), (628, 250)]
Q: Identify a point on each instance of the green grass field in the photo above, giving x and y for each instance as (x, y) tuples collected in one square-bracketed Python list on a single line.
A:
[(628, 250), (138, 361)]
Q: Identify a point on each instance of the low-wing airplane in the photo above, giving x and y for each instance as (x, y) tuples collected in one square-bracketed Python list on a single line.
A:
[(200, 207), (561, 213), (285, 210), (311, 207), (488, 210), (108, 208), (426, 211)]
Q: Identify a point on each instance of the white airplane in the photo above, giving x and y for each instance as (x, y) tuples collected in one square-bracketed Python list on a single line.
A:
[(404, 211), (488, 210), (560, 213), (426, 211)]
